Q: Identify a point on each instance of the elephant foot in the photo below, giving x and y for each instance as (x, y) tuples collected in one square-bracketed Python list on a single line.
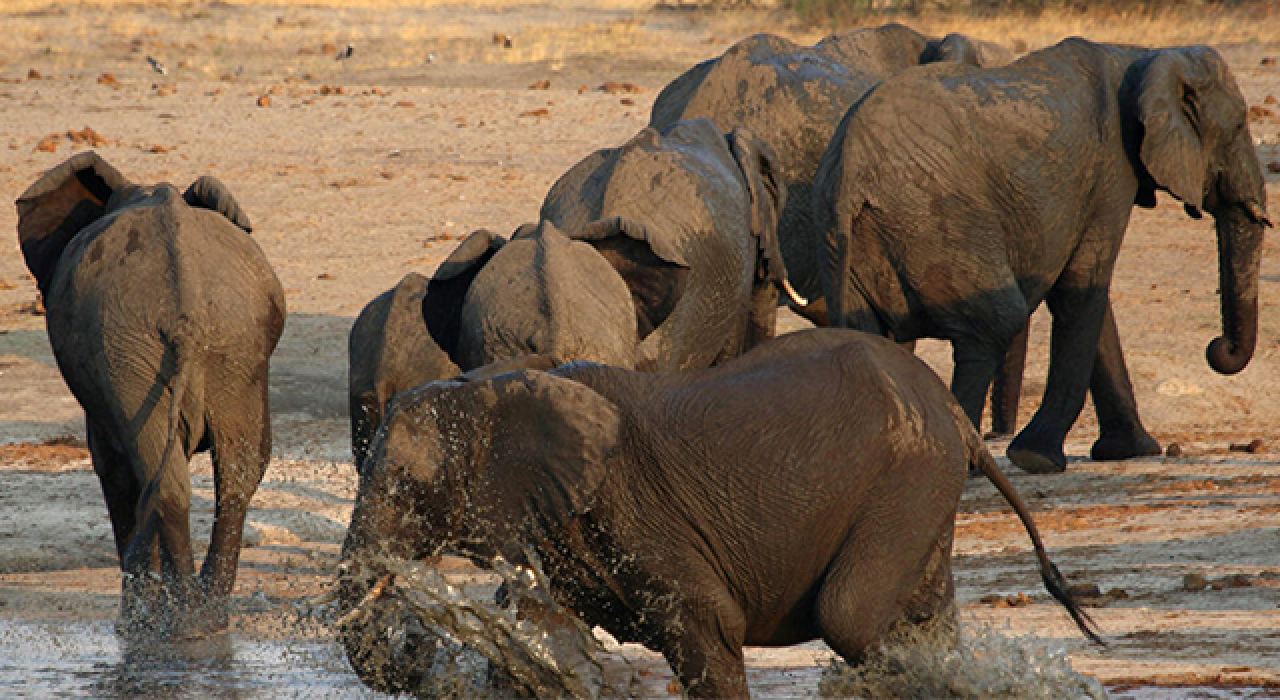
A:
[(1036, 459), (1116, 446)]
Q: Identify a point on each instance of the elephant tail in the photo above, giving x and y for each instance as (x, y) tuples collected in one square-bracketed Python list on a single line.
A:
[(980, 459), (180, 342)]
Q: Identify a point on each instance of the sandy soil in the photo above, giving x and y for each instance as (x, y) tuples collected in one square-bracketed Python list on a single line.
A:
[(356, 172)]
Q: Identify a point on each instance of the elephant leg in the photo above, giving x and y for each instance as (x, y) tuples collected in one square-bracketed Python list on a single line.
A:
[(1007, 389), (705, 648), (1121, 432), (894, 569), (119, 487), (157, 562), (241, 450), (1078, 313), (975, 366)]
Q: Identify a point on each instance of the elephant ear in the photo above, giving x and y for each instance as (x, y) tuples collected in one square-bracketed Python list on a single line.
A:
[(768, 197), (58, 205), (442, 304), (208, 192), (550, 440), (1168, 105), (652, 266)]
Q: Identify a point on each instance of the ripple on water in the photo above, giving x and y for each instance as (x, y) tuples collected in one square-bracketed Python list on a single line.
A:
[(88, 660)]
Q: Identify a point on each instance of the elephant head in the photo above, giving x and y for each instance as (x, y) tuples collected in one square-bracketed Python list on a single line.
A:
[(545, 293), (1194, 142), (85, 189), (473, 467)]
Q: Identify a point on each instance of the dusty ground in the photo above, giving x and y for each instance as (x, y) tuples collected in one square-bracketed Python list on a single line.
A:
[(356, 172)]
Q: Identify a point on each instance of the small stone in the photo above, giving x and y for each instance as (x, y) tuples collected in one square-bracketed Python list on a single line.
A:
[(324, 276), (108, 79), (1256, 112), (328, 48), (540, 112), (49, 144), (158, 148), (404, 103), (34, 74), (1269, 61), (1194, 582), (1270, 100), (1238, 581), (1019, 600), (1084, 590), (503, 40), (628, 101), (264, 101), (541, 85), (1173, 450)]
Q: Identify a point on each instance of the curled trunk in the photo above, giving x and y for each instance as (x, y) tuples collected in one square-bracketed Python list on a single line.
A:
[(1240, 253)]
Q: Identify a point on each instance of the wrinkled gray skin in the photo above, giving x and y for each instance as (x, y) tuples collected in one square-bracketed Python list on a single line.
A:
[(162, 313), (390, 350), (793, 97), (694, 513), (659, 254), (953, 200)]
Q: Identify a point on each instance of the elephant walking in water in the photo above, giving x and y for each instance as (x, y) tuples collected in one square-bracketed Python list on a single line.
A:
[(953, 200), (163, 314), (695, 513)]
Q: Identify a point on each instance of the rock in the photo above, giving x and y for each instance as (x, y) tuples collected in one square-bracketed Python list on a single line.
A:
[(404, 103), (34, 74), (157, 148), (1173, 450), (1084, 590), (109, 79), (1252, 447), (613, 88), (1269, 61), (541, 85), (1019, 600), (1238, 581), (264, 101), (540, 112), (49, 144), (328, 48), (1270, 100), (1194, 582), (1256, 112), (325, 276), (628, 102), (503, 40)]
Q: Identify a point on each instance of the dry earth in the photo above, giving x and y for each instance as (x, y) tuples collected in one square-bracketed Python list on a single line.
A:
[(356, 172)]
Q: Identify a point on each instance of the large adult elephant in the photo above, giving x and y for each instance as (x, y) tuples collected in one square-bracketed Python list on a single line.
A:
[(163, 314), (793, 97), (659, 254), (694, 513), (953, 200)]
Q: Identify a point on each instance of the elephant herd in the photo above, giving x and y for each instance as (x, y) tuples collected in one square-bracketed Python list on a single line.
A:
[(586, 389)]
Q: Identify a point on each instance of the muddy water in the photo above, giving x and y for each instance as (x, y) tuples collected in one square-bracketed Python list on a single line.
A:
[(88, 660)]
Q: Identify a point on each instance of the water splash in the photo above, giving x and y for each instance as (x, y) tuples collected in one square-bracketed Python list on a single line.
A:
[(463, 646), (976, 662)]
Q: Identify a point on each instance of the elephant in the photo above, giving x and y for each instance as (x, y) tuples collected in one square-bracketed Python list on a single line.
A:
[(660, 254), (692, 512), (162, 313), (953, 200), (793, 97)]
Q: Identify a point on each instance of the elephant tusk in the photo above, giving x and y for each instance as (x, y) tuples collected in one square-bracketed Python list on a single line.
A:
[(793, 294), (1257, 213), (374, 593)]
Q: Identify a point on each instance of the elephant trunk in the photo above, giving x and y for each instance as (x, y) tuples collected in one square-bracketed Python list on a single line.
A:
[(1240, 234)]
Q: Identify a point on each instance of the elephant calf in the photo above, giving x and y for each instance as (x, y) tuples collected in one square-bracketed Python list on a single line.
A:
[(694, 513), (163, 314)]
